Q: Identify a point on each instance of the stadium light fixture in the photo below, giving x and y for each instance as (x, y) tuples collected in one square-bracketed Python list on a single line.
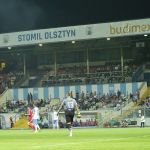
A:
[(108, 39), (9, 47), (40, 44)]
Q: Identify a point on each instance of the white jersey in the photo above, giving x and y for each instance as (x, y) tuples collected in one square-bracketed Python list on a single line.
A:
[(55, 116), (36, 113), (142, 119)]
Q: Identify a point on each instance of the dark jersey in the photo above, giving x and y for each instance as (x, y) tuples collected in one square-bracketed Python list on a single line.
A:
[(69, 103)]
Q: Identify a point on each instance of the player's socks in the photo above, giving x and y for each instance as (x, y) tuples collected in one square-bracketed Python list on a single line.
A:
[(70, 131), (38, 127), (70, 134)]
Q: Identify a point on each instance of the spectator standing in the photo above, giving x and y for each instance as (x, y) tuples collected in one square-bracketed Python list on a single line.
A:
[(142, 121)]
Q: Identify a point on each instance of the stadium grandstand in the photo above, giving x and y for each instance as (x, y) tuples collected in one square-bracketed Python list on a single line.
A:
[(106, 67)]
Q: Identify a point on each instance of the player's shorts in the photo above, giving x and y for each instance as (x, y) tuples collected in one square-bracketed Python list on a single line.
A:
[(55, 121), (69, 114), (35, 121)]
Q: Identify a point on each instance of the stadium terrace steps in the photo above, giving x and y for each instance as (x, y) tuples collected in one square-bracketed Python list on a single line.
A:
[(147, 93), (128, 112), (135, 106), (21, 124)]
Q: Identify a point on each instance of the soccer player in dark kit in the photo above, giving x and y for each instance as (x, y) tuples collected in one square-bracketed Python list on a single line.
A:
[(70, 106)]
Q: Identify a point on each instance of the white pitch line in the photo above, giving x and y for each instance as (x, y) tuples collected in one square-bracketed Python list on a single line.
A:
[(85, 141)]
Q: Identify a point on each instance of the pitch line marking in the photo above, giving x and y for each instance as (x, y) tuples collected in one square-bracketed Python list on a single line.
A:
[(85, 141)]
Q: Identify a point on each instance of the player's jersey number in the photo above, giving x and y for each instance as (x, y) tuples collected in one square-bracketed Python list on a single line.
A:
[(70, 105)]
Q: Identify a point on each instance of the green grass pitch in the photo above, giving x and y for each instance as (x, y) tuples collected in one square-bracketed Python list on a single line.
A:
[(82, 139)]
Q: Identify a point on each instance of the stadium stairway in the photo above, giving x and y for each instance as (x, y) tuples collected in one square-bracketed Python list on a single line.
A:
[(135, 107), (21, 124), (127, 112), (117, 114), (147, 93)]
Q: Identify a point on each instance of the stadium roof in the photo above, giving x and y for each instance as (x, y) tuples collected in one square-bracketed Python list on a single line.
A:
[(95, 36)]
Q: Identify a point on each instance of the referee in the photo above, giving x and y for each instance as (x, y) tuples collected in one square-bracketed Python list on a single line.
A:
[(70, 105)]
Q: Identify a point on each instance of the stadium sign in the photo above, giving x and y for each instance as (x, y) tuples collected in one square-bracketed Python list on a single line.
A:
[(83, 32), (37, 36), (129, 28)]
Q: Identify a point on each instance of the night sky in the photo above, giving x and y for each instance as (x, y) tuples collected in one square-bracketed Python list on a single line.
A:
[(22, 15)]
